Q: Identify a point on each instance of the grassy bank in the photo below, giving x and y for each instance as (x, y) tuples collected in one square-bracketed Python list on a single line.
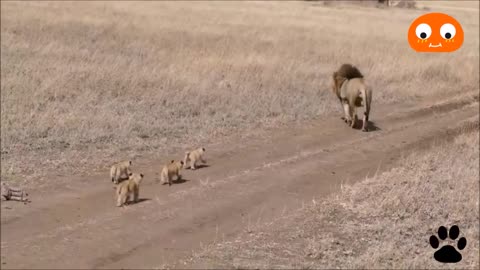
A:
[(383, 222)]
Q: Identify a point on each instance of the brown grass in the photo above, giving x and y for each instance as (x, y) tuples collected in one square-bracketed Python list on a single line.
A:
[(383, 222), (84, 84)]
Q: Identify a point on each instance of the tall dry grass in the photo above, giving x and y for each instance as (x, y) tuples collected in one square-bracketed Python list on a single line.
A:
[(384, 222), (87, 83)]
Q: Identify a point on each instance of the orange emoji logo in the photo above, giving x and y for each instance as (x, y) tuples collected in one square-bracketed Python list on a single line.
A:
[(435, 32)]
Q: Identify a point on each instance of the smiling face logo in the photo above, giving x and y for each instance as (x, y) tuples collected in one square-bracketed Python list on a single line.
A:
[(435, 32)]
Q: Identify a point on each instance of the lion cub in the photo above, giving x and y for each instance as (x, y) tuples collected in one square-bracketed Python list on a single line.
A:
[(125, 188), (170, 170), (194, 156), (119, 169)]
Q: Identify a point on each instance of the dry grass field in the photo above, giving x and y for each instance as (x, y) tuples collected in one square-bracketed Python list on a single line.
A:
[(287, 184), (384, 222), (87, 83)]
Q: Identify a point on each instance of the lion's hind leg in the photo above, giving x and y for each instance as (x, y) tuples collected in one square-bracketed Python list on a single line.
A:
[(118, 176), (352, 112), (121, 198), (354, 121), (367, 94), (163, 177), (193, 164), (365, 122), (136, 193), (354, 116), (346, 110), (127, 198), (341, 104)]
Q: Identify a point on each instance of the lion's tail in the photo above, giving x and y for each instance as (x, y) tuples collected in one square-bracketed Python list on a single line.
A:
[(367, 97)]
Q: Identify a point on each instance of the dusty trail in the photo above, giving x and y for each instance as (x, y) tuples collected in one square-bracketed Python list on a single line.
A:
[(257, 181)]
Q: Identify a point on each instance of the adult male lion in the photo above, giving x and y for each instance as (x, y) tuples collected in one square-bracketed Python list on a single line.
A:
[(350, 88)]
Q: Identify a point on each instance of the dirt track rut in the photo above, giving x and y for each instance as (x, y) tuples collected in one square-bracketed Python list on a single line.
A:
[(254, 182)]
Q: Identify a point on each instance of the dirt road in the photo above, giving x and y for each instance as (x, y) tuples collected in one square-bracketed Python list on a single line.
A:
[(246, 183)]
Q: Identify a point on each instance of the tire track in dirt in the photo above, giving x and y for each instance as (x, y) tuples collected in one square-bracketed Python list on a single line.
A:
[(290, 193), (253, 183)]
